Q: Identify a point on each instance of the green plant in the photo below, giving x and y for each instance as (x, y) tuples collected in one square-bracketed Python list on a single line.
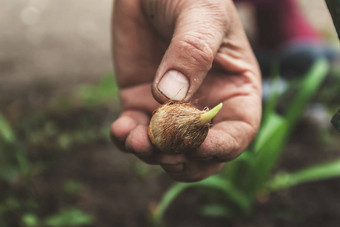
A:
[(250, 175), (66, 218), (69, 217), (15, 169), (102, 92), (36, 138), (13, 160)]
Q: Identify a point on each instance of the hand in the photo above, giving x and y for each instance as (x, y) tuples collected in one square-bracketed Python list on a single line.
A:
[(185, 50)]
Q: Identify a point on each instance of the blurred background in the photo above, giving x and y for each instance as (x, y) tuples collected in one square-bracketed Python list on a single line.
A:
[(58, 98)]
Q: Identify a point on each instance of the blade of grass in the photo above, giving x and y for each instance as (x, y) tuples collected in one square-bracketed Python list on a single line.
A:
[(95, 94), (275, 133), (266, 157), (315, 173), (308, 87), (273, 125), (213, 182), (229, 190), (167, 199), (69, 217), (216, 210), (243, 172), (12, 149), (237, 167), (272, 101), (5, 130)]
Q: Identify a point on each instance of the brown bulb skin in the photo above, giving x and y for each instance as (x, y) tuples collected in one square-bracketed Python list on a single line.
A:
[(176, 127)]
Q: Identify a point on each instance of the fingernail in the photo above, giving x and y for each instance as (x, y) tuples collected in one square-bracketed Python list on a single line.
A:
[(174, 85)]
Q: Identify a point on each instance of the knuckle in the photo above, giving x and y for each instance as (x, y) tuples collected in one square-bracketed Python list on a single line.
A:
[(198, 50), (233, 151), (227, 157)]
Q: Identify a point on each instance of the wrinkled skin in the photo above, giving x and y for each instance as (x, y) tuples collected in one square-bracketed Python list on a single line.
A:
[(206, 42)]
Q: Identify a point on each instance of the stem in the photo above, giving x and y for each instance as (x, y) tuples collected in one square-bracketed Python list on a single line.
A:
[(207, 116)]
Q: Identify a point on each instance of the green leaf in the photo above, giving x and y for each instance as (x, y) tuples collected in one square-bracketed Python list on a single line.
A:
[(238, 167), (271, 103), (72, 187), (69, 217), (276, 129), (307, 89), (167, 199), (315, 173), (213, 182), (30, 220), (229, 190), (273, 124), (266, 154), (13, 160), (93, 95), (6, 131), (216, 210)]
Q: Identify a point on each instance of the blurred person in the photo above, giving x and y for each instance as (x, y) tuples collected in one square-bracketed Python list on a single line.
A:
[(285, 36), (197, 50)]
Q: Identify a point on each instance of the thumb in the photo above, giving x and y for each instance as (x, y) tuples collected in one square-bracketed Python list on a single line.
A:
[(199, 27)]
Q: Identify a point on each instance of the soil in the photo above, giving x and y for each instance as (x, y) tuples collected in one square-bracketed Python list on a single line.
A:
[(118, 190)]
